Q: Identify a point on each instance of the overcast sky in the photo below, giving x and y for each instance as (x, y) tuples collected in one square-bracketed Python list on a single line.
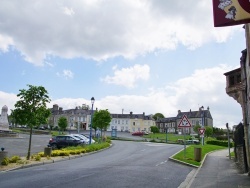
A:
[(137, 55)]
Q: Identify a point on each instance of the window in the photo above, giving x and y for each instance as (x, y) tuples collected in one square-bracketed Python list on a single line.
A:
[(134, 123), (231, 80)]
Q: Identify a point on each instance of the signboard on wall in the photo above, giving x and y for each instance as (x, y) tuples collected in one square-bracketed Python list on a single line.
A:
[(231, 12)]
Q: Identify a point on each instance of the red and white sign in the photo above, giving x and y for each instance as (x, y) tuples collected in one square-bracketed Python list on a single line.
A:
[(184, 122), (202, 131), (231, 12)]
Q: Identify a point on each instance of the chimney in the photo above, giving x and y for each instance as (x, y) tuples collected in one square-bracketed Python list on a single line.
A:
[(179, 111)]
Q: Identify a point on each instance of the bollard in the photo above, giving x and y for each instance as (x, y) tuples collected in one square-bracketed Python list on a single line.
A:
[(47, 151), (197, 154), (3, 154)]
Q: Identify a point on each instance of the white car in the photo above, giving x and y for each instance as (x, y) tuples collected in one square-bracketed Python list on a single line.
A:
[(83, 138)]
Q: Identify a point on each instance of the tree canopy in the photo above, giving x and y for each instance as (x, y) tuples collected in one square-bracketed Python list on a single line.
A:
[(101, 119), (62, 123), (158, 116), (154, 129), (31, 109), (208, 131)]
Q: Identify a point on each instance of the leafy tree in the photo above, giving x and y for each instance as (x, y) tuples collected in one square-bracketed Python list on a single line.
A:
[(218, 131), (158, 116), (101, 119), (62, 123), (154, 129), (196, 128), (31, 109), (208, 131)]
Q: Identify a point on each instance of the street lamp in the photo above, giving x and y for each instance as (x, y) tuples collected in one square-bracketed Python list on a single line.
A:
[(202, 122), (90, 133)]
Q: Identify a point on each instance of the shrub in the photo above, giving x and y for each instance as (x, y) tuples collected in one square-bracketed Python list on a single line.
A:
[(5, 161), (219, 143), (14, 159), (37, 157)]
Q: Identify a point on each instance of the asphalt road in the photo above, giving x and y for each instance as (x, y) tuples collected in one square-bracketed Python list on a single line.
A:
[(125, 164)]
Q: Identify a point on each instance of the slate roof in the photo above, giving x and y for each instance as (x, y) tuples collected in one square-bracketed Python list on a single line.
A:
[(195, 114)]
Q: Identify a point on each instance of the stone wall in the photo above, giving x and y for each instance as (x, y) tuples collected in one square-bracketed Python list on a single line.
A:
[(240, 160)]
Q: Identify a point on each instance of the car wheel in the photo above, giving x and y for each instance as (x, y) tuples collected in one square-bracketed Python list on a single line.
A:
[(53, 146)]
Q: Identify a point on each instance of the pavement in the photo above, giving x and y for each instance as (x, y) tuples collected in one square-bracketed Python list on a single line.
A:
[(217, 171)]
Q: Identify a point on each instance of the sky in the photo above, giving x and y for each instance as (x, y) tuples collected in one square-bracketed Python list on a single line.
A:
[(152, 56)]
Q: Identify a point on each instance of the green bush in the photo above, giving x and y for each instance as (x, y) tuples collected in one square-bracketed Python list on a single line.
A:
[(219, 143), (37, 157), (221, 137), (5, 161), (14, 159)]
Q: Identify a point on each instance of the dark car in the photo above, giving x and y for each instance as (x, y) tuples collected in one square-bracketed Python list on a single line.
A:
[(63, 141)]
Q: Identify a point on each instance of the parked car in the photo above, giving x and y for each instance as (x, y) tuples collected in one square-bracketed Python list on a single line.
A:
[(87, 136), (84, 139), (58, 142), (137, 133)]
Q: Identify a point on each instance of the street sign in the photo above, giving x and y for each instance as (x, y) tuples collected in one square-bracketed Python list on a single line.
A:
[(184, 122), (202, 131)]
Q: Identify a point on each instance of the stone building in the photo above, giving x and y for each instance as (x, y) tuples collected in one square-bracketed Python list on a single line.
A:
[(238, 87), (77, 118), (201, 117)]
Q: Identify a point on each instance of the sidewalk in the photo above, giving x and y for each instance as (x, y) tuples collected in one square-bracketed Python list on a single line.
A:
[(218, 171)]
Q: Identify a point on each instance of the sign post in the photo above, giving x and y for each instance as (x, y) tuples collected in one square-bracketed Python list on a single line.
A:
[(202, 132), (184, 123)]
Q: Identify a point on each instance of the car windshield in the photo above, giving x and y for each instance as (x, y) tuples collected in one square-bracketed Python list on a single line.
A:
[(80, 137)]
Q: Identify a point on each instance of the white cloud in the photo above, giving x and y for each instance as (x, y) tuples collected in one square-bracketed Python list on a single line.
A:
[(68, 11), (128, 77), (5, 42), (67, 74), (8, 99), (205, 87), (104, 29)]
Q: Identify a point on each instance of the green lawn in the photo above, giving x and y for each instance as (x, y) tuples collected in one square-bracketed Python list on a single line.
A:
[(189, 154)]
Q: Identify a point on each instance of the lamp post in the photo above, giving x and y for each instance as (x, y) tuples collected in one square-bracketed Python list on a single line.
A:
[(228, 141), (90, 133), (202, 123)]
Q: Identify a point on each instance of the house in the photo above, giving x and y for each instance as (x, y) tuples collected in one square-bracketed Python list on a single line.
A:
[(201, 117), (77, 118)]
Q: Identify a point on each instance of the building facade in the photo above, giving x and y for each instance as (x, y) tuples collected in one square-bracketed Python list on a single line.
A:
[(201, 117), (80, 118)]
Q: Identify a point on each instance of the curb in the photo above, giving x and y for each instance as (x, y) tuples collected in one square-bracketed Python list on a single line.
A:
[(54, 161)]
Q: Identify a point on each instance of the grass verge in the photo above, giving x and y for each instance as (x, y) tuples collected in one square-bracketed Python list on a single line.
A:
[(188, 155)]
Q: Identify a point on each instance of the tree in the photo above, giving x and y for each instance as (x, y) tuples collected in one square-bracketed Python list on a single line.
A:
[(196, 128), (101, 119), (31, 109), (154, 129), (208, 131), (158, 116), (62, 123)]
